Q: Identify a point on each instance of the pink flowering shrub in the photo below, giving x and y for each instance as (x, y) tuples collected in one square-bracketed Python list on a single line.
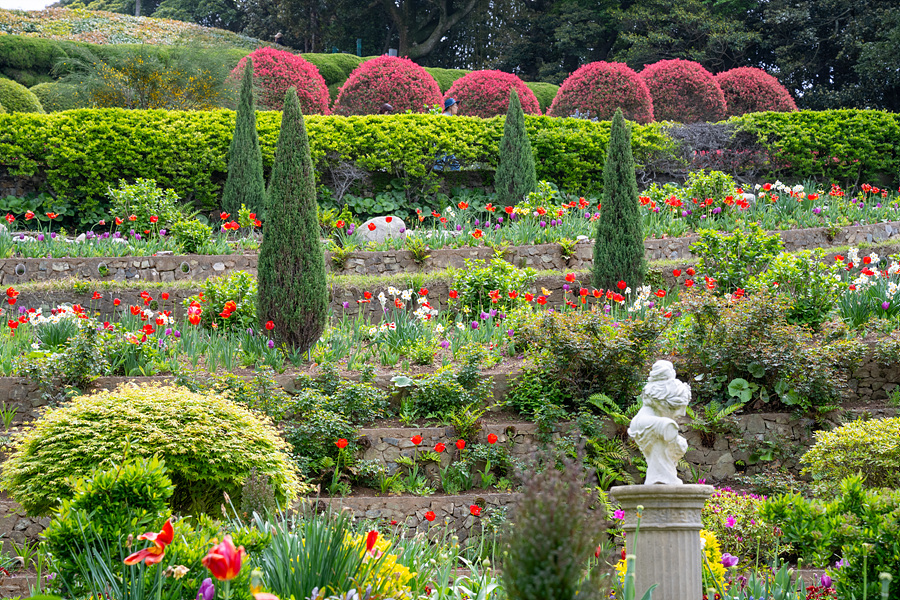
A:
[(276, 71), (735, 520), (486, 94), (748, 90), (684, 91), (600, 88), (387, 80)]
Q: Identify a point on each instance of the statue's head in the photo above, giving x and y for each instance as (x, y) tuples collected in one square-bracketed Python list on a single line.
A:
[(663, 392)]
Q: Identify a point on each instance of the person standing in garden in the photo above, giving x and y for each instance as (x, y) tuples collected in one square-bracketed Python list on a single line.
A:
[(451, 107)]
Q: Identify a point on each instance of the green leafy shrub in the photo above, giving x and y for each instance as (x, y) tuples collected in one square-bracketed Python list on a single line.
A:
[(477, 279), (751, 339), (191, 235), (208, 442), (857, 526), (17, 98), (590, 352), (532, 390), (56, 97), (446, 77), (445, 391), (544, 92), (240, 288), (715, 184), (313, 439), (143, 200), (870, 449), (731, 259), (809, 282), (849, 145), (734, 518)]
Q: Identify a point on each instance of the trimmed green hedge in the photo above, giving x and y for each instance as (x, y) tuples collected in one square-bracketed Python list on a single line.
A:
[(445, 77), (854, 146), (83, 151), (17, 98), (544, 92), (57, 97)]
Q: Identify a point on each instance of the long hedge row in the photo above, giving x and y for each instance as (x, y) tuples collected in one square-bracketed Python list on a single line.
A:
[(81, 152)]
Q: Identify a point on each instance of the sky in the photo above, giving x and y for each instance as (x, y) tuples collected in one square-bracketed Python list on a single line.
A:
[(25, 4)]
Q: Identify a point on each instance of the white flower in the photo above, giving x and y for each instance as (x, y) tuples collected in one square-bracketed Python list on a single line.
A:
[(438, 329), (392, 326), (406, 295), (798, 188), (460, 325), (875, 258), (382, 298), (393, 291)]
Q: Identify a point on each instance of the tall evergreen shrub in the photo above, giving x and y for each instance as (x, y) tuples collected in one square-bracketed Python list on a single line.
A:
[(619, 247), (515, 175), (245, 184), (292, 289)]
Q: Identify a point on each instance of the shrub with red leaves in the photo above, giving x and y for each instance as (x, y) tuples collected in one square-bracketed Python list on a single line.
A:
[(387, 80), (748, 90), (684, 91), (276, 71), (600, 88), (486, 94)]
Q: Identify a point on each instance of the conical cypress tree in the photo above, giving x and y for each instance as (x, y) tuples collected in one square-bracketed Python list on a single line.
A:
[(292, 288), (515, 176), (245, 184), (619, 247)]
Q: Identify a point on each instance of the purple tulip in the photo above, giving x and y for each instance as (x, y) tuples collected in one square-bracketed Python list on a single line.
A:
[(40, 237), (566, 287), (346, 305), (717, 210), (651, 304), (826, 581), (445, 344), (684, 213), (587, 215), (162, 233), (207, 590), (477, 222), (607, 308), (492, 313), (878, 205), (499, 219), (168, 331), (89, 235), (497, 226), (177, 333), (53, 236), (728, 560), (484, 316), (509, 332), (271, 344), (403, 230), (137, 236), (474, 324), (817, 211), (459, 227), (249, 331), (885, 305), (116, 235), (543, 223)]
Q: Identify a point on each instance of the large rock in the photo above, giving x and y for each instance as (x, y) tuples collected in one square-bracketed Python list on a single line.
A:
[(386, 228)]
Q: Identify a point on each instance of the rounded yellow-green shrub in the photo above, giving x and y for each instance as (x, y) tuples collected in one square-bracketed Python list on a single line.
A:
[(208, 442), (869, 448), (57, 97), (15, 97)]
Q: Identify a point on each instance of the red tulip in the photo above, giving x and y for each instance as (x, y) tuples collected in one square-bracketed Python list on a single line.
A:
[(224, 560), (270, 325), (416, 439), (621, 285), (475, 510), (440, 447), (157, 551), (341, 443), (460, 444), (371, 226), (371, 538), (492, 438), (430, 516), (570, 277)]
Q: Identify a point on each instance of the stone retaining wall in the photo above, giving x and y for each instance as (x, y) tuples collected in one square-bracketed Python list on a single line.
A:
[(409, 511), (540, 257)]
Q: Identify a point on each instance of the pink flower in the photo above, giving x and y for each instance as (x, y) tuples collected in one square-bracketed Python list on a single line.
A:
[(729, 522), (619, 514)]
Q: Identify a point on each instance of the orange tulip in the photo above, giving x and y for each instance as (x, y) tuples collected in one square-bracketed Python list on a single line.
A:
[(157, 551), (224, 560)]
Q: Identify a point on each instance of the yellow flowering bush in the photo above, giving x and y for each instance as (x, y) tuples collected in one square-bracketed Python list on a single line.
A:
[(391, 579)]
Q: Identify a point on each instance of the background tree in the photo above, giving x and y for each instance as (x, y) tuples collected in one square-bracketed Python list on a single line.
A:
[(619, 245), (292, 288), (245, 184), (515, 176)]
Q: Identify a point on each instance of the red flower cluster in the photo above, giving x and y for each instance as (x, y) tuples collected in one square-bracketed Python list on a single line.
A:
[(387, 80), (748, 89), (684, 91), (600, 88), (275, 71), (486, 94)]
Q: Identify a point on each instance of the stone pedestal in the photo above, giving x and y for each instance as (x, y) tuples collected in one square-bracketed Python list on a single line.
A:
[(667, 545)]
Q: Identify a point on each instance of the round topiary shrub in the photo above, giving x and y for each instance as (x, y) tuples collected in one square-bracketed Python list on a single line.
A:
[(599, 88), (387, 80), (208, 442), (486, 94), (15, 97), (868, 448), (57, 97), (683, 91), (748, 89), (276, 71)]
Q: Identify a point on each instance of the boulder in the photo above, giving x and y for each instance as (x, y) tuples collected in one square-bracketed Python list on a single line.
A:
[(385, 228)]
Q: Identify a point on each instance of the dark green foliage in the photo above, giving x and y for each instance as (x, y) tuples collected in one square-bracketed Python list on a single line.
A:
[(292, 287), (515, 175), (544, 92), (245, 185), (56, 97), (619, 245), (553, 535)]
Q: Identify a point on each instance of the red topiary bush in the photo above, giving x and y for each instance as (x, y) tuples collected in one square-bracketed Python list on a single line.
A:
[(600, 88), (486, 94), (748, 90), (684, 91), (276, 71), (387, 80)]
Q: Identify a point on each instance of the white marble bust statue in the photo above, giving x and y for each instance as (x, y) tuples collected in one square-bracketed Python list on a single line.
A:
[(654, 428)]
